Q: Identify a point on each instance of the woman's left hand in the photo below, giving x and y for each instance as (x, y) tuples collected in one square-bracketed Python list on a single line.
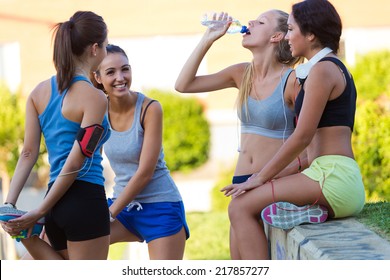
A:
[(235, 190), (27, 221)]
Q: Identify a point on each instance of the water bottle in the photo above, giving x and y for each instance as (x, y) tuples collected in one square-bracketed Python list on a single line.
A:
[(235, 26)]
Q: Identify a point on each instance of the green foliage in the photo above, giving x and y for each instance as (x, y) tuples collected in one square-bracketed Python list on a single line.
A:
[(186, 134), (371, 144), (372, 74), (12, 119), (219, 202), (372, 125), (209, 236), (12, 128)]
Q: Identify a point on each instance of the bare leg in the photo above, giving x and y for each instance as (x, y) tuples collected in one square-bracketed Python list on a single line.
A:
[(118, 233), (39, 249), (255, 245), (234, 252), (245, 209), (93, 249), (168, 248)]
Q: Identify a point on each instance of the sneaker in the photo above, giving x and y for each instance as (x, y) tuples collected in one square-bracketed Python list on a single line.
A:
[(9, 213), (37, 229), (286, 215)]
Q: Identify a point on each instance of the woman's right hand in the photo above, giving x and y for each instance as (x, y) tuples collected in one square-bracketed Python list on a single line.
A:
[(216, 31)]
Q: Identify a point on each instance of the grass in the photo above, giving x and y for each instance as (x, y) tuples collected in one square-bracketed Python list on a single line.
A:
[(209, 231), (376, 216), (209, 236), (117, 251)]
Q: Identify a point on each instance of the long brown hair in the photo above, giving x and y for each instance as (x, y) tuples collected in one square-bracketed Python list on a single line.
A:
[(72, 38)]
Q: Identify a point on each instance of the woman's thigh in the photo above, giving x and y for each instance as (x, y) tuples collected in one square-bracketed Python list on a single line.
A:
[(297, 189), (121, 234), (92, 249), (169, 247)]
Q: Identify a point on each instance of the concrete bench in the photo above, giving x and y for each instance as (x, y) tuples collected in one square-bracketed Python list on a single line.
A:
[(338, 239)]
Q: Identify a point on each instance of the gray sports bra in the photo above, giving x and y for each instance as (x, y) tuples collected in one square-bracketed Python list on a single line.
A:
[(269, 117)]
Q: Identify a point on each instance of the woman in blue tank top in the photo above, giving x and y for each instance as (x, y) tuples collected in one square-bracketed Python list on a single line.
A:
[(332, 184), (70, 113), (146, 204), (267, 88)]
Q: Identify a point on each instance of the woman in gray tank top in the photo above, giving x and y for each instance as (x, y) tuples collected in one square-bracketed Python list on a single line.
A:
[(331, 185), (146, 204)]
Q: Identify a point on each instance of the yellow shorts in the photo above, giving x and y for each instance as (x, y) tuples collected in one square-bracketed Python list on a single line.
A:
[(341, 183)]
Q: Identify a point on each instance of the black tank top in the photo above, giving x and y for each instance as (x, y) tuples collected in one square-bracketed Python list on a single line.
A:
[(339, 111)]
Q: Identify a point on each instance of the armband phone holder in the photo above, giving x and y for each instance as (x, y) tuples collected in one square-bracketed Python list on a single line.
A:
[(88, 138)]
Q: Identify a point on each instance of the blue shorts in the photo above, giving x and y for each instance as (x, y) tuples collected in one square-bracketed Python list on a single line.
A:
[(240, 179), (154, 220)]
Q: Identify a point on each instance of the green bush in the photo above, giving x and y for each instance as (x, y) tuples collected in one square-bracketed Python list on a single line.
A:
[(209, 236), (372, 122), (186, 134), (12, 115), (219, 202), (371, 144), (372, 74)]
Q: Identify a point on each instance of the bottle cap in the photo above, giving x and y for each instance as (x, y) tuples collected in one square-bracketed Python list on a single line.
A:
[(244, 29)]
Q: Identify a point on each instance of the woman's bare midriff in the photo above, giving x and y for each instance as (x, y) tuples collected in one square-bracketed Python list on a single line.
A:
[(255, 152)]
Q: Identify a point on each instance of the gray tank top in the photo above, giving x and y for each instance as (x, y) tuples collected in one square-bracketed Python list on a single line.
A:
[(269, 117), (123, 150)]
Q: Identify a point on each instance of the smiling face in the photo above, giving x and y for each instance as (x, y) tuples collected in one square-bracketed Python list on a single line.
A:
[(115, 74), (295, 38)]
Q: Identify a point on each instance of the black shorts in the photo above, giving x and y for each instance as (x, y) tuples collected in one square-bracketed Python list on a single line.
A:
[(81, 214)]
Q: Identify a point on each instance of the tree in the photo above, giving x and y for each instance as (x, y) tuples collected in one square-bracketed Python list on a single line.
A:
[(372, 74), (372, 124), (186, 134), (12, 115)]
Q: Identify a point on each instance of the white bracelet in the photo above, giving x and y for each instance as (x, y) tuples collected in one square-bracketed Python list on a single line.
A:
[(9, 204), (111, 218)]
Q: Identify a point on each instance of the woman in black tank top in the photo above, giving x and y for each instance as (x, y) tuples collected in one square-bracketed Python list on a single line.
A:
[(332, 184)]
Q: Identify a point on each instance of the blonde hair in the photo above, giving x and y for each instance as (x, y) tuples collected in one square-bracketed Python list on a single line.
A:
[(283, 55)]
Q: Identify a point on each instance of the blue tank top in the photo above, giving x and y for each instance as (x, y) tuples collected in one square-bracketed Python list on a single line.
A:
[(60, 134), (123, 151), (269, 117)]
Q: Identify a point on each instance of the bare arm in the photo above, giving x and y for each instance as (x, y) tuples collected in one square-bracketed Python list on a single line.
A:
[(189, 82), (151, 147), (296, 166), (94, 108), (29, 154)]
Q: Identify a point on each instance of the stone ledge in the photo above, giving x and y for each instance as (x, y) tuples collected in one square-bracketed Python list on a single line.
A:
[(339, 239)]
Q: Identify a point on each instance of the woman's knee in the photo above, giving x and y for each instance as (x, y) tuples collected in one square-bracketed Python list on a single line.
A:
[(236, 209)]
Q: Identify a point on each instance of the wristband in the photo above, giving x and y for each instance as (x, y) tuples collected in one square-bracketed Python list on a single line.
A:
[(9, 204), (111, 218)]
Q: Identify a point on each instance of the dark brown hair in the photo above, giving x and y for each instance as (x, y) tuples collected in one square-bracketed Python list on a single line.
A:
[(72, 37), (319, 17)]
